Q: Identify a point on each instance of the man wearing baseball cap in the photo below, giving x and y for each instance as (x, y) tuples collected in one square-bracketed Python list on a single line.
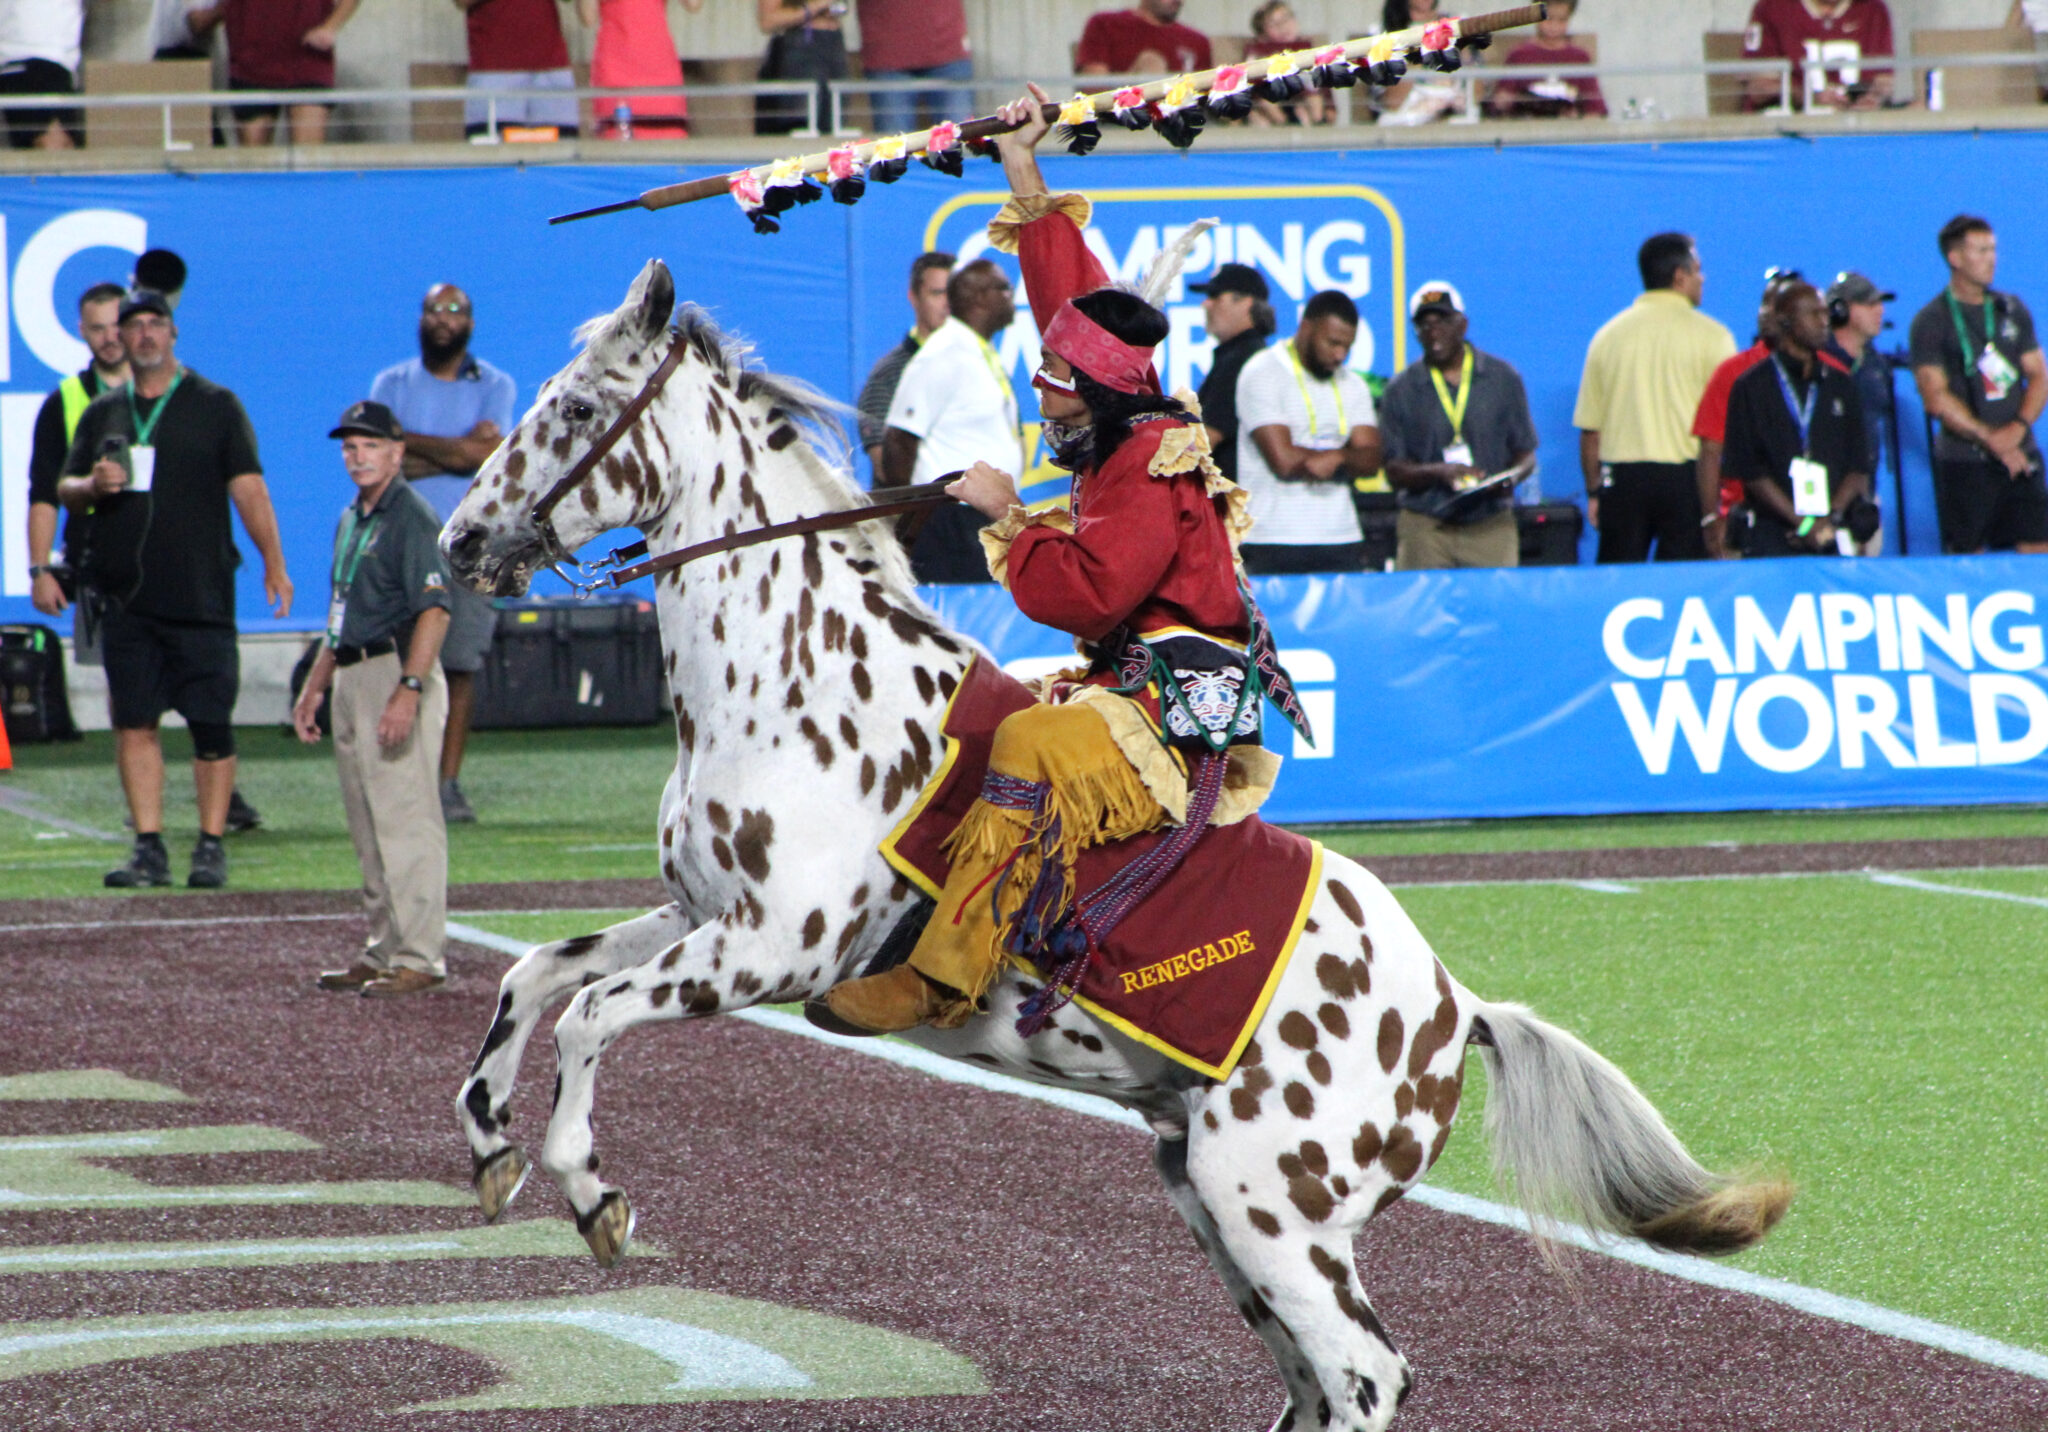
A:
[(1458, 438), (385, 621), (1856, 316), (1237, 314)]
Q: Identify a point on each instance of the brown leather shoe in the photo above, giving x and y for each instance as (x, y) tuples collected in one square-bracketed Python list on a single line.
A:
[(403, 981), (354, 977), (896, 1000)]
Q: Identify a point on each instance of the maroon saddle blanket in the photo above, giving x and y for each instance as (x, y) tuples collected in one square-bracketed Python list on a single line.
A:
[(1190, 971)]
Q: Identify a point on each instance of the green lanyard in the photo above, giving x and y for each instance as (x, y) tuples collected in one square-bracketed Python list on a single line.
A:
[(1955, 311), (143, 431), (1455, 412), (361, 529), (995, 366), (1301, 382)]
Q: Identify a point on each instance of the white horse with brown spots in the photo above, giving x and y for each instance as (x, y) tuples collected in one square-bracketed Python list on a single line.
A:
[(808, 682)]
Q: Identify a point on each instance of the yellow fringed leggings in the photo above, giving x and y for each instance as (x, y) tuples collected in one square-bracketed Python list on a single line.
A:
[(1096, 797)]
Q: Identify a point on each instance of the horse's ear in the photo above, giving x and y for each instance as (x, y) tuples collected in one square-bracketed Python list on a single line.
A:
[(651, 300)]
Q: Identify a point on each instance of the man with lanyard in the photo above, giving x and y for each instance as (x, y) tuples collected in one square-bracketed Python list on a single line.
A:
[(1856, 318), (1795, 437), (954, 407), (1141, 568), (99, 312), (929, 275), (151, 472), (1237, 314), (1306, 427), (1458, 438), (1980, 371), (385, 621)]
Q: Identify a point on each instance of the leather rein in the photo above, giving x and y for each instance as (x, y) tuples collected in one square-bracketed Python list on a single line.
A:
[(614, 570)]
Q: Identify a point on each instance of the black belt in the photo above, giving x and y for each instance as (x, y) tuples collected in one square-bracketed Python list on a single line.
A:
[(350, 655)]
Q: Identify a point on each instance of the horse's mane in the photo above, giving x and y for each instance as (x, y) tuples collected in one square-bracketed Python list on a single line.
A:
[(817, 412)]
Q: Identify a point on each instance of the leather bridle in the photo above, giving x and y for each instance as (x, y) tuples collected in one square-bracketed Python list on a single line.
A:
[(613, 569)]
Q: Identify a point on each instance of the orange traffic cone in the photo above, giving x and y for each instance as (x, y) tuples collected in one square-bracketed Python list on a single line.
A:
[(6, 751)]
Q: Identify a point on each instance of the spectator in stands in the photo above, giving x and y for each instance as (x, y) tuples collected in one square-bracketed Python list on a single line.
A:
[(1275, 31), (955, 406), (39, 46), (915, 40), (1979, 369), (1827, 42), (153, 469), (1721, 497), (1554, 96), (634, 50), (1795, 437), (804, 43), (929, 275), (518, 45), (170, 30), (1452, 422), (1146, 39), (99, 312), (1425, 95), (1856, 318), (389, 611), (1237, 314), (1306, 428), (278, 45), (1645, 372), (453, 408)]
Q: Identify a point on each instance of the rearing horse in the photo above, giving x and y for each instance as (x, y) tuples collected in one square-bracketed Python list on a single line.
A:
[(808, 682)]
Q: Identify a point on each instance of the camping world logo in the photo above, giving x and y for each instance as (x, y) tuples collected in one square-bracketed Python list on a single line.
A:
[(1842, 678)]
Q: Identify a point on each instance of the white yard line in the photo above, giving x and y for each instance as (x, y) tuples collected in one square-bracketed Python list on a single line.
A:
[(28, 808), (1832, 1306), (1907, 882), (1605, 887)]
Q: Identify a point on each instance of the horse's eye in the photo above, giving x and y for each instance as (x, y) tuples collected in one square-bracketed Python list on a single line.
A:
[(578, 411)]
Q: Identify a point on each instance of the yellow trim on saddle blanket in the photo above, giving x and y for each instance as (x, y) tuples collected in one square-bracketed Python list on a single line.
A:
[(1258, 1010)]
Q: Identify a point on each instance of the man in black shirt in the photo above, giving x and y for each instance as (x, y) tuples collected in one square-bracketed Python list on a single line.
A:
[(1237, 313), (148, 482), (1795, 436), (929, 275), (99, 313), (1980, 371)]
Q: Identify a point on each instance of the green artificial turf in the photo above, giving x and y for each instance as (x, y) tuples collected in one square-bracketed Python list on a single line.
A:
[(1882, 1047)]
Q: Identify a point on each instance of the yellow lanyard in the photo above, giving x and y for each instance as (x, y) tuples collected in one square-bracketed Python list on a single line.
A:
[(995, 366), (1455, 411), (1301, 382)]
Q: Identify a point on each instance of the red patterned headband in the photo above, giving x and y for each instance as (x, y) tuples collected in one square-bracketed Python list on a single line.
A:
[(1099, 353)]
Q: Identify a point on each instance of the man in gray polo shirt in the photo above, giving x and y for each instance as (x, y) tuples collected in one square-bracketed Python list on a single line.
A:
[(1453, 421), (385, 622)]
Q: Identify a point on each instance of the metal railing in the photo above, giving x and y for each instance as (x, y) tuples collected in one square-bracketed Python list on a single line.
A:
[(987, 91)]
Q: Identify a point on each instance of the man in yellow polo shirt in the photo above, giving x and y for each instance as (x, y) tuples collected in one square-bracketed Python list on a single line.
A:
[(1645, 371)]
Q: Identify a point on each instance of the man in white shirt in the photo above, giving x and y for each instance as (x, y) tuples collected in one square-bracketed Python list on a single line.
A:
[(39, 42), (1306, 428), (954, 407)]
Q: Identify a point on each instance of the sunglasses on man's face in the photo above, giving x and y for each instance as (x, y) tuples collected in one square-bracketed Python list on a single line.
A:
[(454, 308)]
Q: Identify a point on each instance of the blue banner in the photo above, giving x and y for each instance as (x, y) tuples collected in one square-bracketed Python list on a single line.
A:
[(1702, 686)]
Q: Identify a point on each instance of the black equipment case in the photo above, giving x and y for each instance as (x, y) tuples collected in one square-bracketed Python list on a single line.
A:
[(34, 699), (568, 663)]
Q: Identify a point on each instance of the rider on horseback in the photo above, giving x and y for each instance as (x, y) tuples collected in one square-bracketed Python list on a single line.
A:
[(1163, 727)]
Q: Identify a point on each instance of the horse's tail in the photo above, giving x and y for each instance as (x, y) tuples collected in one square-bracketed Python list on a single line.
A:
[(1576, 1140)]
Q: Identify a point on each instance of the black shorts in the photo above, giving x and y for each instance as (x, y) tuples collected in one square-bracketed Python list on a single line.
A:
[(1983, 507), (38, 77), (157, 666), (1284, 559), (244, 113)]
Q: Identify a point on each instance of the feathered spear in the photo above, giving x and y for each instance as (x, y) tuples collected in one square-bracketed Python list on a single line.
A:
[(1177, 105)]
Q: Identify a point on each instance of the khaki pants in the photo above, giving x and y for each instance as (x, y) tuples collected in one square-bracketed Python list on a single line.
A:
[(393, 799), (1427, 543)]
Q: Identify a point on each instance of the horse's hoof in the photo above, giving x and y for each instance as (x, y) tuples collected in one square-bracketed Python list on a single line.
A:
[(499, 1179), (607, 1228)]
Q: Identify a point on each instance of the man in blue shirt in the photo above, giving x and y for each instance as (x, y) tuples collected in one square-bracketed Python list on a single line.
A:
[(454, 408)]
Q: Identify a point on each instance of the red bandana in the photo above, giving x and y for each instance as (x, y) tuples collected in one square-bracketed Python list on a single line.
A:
[(1098, 353)]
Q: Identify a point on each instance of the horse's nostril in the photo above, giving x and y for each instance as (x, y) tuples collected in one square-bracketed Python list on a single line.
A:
[(466, 543)]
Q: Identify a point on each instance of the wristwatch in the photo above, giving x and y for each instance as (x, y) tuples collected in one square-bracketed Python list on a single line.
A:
[(412, 684)]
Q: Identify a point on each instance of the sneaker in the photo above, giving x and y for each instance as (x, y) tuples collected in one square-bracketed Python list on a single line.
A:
[(455, 806), (404, 981), (148, 864), (241, 815), (353, 978), (209, 864)]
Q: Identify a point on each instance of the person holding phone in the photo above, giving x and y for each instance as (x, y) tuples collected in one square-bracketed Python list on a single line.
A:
[(149, 479)]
